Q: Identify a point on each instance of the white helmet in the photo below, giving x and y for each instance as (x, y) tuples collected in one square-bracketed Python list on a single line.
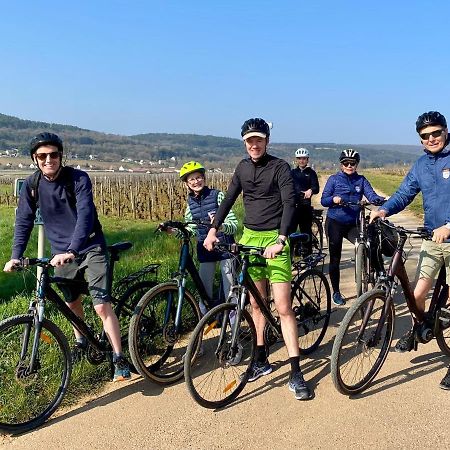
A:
[(302, 153)]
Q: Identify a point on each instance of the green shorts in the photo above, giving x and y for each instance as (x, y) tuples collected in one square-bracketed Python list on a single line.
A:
[(431, 258), (277, 270)]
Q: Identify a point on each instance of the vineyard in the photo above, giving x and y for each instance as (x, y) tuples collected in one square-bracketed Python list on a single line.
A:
[(138, 196)]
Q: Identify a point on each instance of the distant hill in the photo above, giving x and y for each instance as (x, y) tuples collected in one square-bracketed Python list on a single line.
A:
[(212, 150)]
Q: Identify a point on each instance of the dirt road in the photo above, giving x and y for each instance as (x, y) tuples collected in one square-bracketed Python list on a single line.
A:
[(404, 408)]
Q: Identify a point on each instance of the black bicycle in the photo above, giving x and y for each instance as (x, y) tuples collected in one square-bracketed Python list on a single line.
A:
[(222, 347), (165, 317), (35, 358), (364, 337)]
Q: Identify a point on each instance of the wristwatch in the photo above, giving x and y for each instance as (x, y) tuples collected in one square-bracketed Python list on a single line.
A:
[(281, 241)]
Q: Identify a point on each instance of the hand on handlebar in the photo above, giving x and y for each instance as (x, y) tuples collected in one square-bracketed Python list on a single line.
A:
[(210, 240), (375, 214), (337, 200), (11, 265), (62, 259), (440, 234), (272, 251)]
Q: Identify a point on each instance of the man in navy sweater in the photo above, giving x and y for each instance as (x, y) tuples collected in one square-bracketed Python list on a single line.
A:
[(77, 242)]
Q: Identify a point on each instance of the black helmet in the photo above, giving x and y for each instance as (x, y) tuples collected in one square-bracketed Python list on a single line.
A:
[(349, 153), (45, 139), (430, 118), (255, 127)]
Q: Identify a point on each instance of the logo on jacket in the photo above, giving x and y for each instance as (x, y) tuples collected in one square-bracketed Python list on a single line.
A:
[(358, 189), (446, 173)]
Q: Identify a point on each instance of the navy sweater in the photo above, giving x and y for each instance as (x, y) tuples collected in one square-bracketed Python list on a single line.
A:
[(66, 227)]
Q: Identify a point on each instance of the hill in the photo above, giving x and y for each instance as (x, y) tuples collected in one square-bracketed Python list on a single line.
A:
[(176, 148)]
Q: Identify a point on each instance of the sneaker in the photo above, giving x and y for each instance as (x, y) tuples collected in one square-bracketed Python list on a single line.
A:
[(297, 384), (445, 383), (78, 352), (338, 299), (406, 343), (259, 369), (121, 370), (237, 357)]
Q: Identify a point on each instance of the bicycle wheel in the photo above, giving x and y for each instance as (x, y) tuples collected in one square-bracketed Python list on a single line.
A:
[(311, 302), (126, 304), (362, 342), (156, 348), (218, 374), (443, 335), (361, 269), (317, 233), (29, 398)]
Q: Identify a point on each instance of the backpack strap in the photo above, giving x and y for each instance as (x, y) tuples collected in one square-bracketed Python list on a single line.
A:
[(69, 185)]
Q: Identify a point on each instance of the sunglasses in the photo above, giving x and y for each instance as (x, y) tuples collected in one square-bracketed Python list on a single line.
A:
[(435, 134), (196, 179), (348, 163), (43, 156)]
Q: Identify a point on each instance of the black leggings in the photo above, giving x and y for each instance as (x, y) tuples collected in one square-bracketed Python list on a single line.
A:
[(303, 219), (336, 232)]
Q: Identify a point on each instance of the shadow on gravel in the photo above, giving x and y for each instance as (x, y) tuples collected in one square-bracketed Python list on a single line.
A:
[(422, 366), (137, 386)]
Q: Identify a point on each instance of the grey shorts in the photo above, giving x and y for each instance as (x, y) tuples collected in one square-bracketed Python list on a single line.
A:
[(431, 258), (92, 267)]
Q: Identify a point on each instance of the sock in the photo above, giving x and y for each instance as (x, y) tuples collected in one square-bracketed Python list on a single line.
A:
[(295, 364), (261, 354), (117, 356), (82, 341)]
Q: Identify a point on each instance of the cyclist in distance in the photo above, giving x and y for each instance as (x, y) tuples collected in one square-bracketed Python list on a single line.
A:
[(64, 198), (306, 184), (202, 204), (269, 203), (430, 175), (342, 221)]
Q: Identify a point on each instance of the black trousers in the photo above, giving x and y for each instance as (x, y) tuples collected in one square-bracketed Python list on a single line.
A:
[(336, 232), (303, 220)]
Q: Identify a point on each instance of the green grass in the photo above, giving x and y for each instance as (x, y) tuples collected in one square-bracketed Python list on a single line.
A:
[(388, 184)]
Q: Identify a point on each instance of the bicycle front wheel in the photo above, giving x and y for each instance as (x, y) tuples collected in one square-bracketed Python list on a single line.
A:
[(361, 270), (219, 373), (156, 345), (311, 303), (30, 395), (362, 342)]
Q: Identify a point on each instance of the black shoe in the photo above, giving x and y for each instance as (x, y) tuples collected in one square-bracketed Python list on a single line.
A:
[(259, 369), (407, 342), (338, 299), (297, 384), (445, 383), (78, 352)]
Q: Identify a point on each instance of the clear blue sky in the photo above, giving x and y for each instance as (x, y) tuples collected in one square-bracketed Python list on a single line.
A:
[(322, 71)]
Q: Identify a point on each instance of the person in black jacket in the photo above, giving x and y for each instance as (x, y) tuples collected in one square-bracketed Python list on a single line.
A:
[(306, 184), (269, 202)]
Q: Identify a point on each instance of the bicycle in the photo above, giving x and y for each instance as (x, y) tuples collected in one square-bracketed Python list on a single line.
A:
[(227, 335), (366, 272), (166, 316), (365, 334), (35, 358)]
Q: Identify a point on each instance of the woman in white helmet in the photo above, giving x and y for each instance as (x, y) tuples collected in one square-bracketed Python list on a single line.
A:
[(306, 184)]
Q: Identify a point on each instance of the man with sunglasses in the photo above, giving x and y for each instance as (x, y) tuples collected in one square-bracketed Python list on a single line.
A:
[(342, 221), (430, 175), (77, 242)]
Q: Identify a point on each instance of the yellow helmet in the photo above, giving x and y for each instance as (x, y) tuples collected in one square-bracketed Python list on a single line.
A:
[(190, 167)]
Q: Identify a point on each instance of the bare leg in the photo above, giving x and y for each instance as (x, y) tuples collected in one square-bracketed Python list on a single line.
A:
[(77, 308), (110, 324), (421, 291), (257, 316)]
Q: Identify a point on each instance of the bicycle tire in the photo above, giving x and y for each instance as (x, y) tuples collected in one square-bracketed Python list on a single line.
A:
[(213, 379), (317, 232), (156, 352), (28, 400), (361, 271), (443, 335), (347, 349), (311, 303)]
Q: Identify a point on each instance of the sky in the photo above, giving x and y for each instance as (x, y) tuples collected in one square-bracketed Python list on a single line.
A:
[(349, 72)]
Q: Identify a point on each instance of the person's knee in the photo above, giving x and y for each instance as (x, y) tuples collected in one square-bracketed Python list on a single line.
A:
[(422, 288), (103, 310)]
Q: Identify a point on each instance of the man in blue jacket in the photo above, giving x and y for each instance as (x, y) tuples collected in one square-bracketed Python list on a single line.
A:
[(75, 235), (430, 175)]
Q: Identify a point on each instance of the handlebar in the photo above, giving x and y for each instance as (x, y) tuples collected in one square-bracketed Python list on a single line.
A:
[(182, 226), (361, 203), (420, 232), (27, 262), (240, 249)]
